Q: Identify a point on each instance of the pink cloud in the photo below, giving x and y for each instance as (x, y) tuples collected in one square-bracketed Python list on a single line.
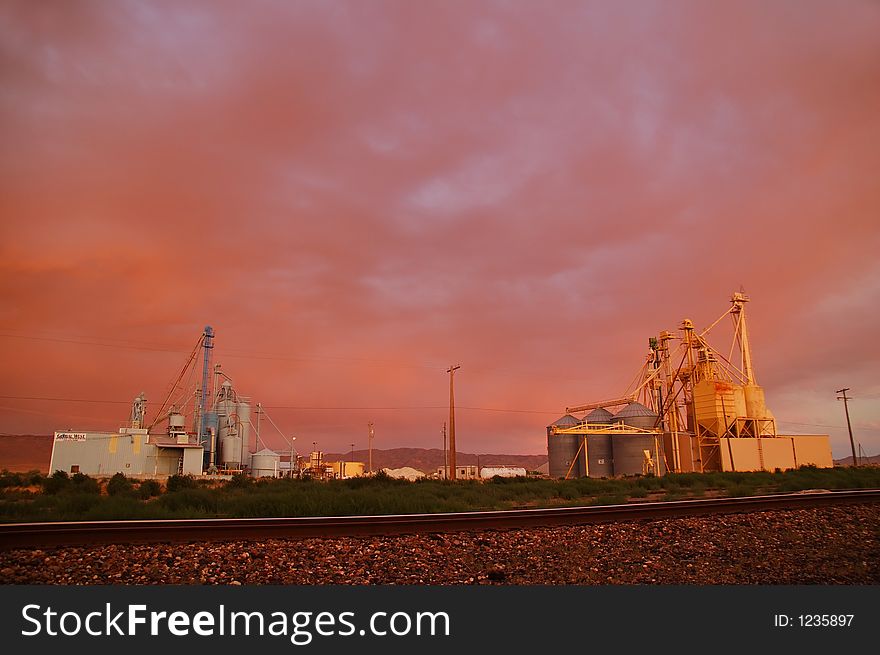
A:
[(357, 195)]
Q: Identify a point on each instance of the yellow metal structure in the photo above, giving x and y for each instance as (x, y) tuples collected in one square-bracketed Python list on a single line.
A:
[(711, 412), (343, 470), (603, 404)]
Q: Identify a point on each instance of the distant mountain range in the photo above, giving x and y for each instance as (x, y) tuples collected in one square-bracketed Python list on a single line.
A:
[(847, 461)]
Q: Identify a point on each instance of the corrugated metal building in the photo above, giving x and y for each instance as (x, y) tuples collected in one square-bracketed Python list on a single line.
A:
[(131, 451)]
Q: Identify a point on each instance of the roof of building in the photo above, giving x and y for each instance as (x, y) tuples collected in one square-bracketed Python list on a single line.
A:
[(599, 415), (635, 409), (566, 421)]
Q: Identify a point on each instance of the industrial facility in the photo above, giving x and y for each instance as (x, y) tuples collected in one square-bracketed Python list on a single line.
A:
[(690, 409), (222, 440)]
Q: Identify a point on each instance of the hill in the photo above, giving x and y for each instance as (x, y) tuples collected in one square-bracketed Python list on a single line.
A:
[(873, 460)]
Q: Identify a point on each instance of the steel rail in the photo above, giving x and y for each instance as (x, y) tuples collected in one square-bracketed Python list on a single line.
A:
[(33, 535)]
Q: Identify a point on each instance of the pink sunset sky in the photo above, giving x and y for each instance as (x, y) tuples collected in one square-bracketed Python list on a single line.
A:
[(356, 195)]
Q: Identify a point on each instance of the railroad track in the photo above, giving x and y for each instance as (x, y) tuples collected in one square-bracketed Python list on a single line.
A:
[(33, 535)]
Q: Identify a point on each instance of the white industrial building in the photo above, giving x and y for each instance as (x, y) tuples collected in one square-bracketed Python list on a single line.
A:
[(132, 451)]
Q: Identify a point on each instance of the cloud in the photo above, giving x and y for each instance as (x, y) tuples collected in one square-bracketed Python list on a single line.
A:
[(357, 195)]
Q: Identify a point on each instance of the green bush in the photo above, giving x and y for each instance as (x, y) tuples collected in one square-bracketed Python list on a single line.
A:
[(8, 479), (149, 488), (197, 502), (56, 483), (67, 498), (119, 508), (179, 482), (84, 484), (240, 481), (740, 490), (119, 485)]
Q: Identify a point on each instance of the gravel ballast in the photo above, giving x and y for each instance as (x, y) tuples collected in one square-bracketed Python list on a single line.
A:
[(828, 545)]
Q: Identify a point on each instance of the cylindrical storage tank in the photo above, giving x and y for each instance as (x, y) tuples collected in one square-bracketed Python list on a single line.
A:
[(739, 402), (226, 401), (629, 453), (600, 456), (230, 448), (636, 415), (244, 427), (264, 464), (176, 420), (562, 449), (756, 406)]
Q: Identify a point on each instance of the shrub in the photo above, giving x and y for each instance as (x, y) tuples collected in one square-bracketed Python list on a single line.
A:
[(240, 481), (739, 490), (178, 482), (56, 483), (8, 479), (119, 485), (84, 484), (149, 488), (191, 501)]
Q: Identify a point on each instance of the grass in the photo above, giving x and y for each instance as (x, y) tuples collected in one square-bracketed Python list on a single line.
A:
[(32, 497)]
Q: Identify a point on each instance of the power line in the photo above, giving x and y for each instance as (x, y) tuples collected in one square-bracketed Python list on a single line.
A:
[(235, 353), (389, 408), (93, 343), (306, 407), (66, 400)]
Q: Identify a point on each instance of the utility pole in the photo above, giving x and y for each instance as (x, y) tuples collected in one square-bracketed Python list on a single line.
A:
[(370, 443), (848, 424), (445, 454), (259, 411), (451, 371)]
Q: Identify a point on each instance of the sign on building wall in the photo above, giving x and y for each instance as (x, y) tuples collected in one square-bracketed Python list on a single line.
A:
[(70, 436)]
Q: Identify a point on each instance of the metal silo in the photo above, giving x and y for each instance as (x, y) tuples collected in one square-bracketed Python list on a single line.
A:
[(629, 456), (243, 408), (600, 456), (636, 415), (226, 399), (562, 449), (264, 464), (629, 449), (599, 415), (230, 445)]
